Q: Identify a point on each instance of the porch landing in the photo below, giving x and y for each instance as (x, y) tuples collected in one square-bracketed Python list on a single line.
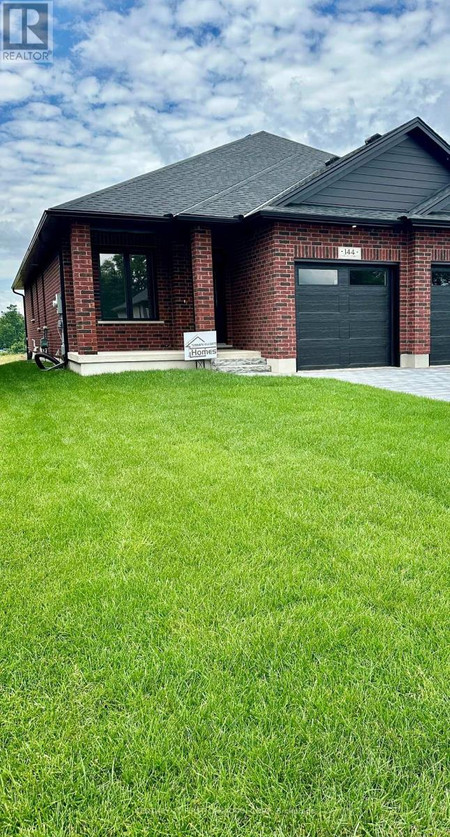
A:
[(144, 361)]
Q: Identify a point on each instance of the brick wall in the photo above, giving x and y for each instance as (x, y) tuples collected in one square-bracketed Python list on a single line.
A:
[(254, 323), (83, 289), (263, 310), (40, 312), (71, 320), (183, 318), (260, 288), (202, 277), (135, 336), (173, 276), (414, 251), (426, 246), (172, 266), (321, 241)]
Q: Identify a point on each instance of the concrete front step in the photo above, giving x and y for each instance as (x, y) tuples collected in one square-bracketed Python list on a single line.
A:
[(242, 366)]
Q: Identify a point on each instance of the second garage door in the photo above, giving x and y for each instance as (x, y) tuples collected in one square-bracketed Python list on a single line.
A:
[(440, 315), (344, 316)]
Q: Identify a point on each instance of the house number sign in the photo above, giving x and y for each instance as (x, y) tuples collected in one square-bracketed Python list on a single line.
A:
[(349, 252)]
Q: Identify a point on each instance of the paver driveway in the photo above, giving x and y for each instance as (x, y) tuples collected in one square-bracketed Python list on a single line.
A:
[(433, 382)]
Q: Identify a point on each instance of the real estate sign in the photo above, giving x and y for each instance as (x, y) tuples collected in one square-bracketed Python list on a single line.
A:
[(200, 345)]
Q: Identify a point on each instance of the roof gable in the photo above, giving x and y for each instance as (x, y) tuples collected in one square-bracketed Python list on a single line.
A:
[(394, 173)]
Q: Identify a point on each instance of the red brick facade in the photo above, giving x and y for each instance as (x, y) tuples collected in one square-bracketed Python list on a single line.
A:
[(183, 317), (39, 309), (83, 289), (293, 240), (426, 247), (264, 281), (255, 323), (202, 278), (135, 336), (260, 285)]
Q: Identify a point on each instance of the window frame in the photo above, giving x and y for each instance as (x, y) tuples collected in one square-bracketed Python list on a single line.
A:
[(366, 268), (127, 253), (443, 266), (300, 265), (346, 265)]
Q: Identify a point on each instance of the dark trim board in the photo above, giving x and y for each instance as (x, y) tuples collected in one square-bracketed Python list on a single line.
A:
[(346, 325)]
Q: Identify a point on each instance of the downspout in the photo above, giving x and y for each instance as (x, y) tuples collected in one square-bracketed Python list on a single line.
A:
[(63, 304), (22, 296)]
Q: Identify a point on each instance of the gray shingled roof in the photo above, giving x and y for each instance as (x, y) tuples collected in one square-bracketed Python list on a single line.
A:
[(234, 179)]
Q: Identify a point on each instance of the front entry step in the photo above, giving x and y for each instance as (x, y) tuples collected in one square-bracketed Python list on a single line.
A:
[(242, 366)]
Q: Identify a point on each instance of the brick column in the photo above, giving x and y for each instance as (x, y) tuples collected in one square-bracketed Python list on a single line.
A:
[(202, 278), (415, 300), (421, 294), (83, 289), (182, 293)]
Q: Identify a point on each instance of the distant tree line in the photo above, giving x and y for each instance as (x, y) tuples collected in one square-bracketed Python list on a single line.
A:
[(12, 331)]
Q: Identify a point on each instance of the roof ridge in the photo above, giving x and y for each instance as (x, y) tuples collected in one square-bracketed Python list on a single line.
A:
[(288, 139), (242, 181), (152, 171)]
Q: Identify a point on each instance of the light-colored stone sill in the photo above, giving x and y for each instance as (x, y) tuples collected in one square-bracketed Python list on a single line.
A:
[(152, 355)]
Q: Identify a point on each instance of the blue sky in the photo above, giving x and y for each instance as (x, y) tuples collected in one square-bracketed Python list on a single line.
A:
[(135, 85)]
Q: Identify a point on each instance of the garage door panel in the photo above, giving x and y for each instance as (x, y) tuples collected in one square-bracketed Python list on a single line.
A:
[(440, 320), (312, 326), (440, 353), (371, 301), (321, 354), (368, 328), (369, 355), (441, 326), (320, 301), (344, 328), (344, 325)]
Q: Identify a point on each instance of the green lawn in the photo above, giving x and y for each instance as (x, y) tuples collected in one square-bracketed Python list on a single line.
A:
[(224, 607)]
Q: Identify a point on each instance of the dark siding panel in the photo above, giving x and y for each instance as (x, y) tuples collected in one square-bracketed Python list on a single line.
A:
[(398, 179), (403, 178)]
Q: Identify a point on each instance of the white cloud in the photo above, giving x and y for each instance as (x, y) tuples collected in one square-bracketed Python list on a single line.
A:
[(154, 82), (193, 13), (13, 88)]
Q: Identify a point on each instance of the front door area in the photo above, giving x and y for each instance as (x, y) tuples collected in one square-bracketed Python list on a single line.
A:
[(345, 315), (220, 296)]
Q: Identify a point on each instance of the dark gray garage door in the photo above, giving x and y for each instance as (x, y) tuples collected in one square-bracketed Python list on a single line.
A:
[(344, 316), (440, 315)]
